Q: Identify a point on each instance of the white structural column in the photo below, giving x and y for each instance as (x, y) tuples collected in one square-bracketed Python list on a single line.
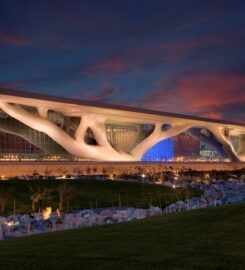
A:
[(156, 136), (223, 136), (77, 146), (103, 150), (81, 130)]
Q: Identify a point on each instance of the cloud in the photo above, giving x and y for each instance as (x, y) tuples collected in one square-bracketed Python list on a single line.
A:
[(9, 85), (104, 93), (109, 66), (14, 40), (176, 50), (141, 59), (234, 111), (201, 93)]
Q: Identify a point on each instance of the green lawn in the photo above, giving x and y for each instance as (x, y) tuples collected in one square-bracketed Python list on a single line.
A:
[(89, 194), (202, 239)]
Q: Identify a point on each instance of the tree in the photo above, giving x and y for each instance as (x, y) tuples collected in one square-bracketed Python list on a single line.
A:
[(66, 193), (37, 196), (4, 196)]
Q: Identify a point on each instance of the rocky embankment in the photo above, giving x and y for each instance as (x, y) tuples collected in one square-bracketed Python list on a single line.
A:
[(221, 192)]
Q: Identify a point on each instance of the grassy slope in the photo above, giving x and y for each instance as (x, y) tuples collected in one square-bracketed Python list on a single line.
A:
[(89, 193), (203, 239)]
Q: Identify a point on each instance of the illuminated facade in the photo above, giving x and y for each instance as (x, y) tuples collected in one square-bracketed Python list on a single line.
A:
[(40, 127)]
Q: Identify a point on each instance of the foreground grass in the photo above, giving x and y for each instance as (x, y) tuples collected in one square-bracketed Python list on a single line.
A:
[(89, 194), (202, 239)]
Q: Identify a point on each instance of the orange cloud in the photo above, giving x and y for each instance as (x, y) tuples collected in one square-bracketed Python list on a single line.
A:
[(105, 92), (178, 49), (205, 94), (110, 66), (140, 58), (15, 40)]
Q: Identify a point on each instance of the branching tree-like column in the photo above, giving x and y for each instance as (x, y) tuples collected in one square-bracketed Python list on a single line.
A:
[(223, 136), (77, 146), (156, 136)]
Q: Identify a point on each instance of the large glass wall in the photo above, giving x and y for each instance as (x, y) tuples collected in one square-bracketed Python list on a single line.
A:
[(197, 144), (18, 141), (192, 145), (125, 136), (162, 151)]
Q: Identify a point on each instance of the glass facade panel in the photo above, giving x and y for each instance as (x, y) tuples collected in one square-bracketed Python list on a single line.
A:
[(18, 141), (192, 145), (125, 136), (162, 151), (197, 144)]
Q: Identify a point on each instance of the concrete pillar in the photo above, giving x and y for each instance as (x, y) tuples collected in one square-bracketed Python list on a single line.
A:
[(230, 153)]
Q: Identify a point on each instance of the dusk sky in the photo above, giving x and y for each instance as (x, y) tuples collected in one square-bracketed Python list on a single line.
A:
[(177, 56)]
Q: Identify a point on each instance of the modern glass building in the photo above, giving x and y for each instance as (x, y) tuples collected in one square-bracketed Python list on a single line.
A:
[(41, 127)]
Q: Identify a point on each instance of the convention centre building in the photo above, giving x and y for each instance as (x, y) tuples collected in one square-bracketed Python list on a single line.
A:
[(48, 128)]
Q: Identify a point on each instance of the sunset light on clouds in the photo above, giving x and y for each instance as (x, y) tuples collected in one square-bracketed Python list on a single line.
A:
[(177, 56)]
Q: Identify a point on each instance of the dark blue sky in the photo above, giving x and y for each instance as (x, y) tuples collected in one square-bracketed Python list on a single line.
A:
[(178, 56)]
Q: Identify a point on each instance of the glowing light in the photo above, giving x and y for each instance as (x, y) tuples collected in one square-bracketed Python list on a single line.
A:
[(12, 223), (46, 213)]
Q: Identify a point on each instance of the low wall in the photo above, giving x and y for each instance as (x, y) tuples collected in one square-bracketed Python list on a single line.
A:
[(18, 168)]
